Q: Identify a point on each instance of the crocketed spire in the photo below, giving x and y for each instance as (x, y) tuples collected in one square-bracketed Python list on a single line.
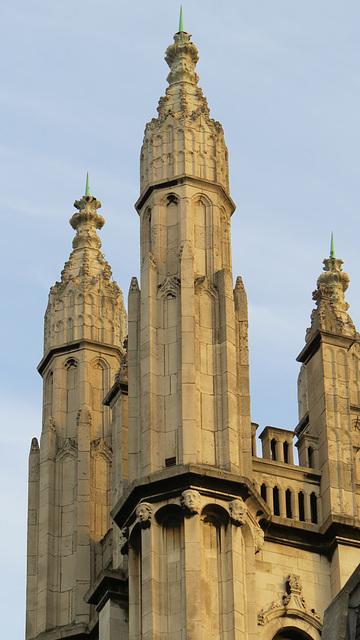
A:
[(86, 303), (183, 139), (331, 308)]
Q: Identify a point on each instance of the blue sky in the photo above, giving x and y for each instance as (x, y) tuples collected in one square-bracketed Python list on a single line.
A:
[(79, 82)]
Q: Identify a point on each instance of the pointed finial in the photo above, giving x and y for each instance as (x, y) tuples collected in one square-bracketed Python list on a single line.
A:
[(332, 247), (87, 188), (181, 21)]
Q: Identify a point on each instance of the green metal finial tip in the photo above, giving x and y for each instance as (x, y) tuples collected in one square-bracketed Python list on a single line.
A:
[(332, 246), (181, 21), (87, 189)]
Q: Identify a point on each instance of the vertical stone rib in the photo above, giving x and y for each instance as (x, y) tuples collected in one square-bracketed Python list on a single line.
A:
[(84, 544), (134, 379), (150, 449), (243, 381), (190, 435), (46, 595), (32, 538), (228, 364)]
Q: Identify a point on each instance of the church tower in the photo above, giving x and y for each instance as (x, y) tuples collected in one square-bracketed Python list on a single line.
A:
[(70, 473)]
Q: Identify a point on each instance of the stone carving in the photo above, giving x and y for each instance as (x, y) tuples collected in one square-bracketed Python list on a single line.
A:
[(203, 285), (144, 514), (191, 501), (134, 285), (98, 448), (292, 604), (182, 56), (34, 445), (83, 416), (331, 312), (124, 540), (170, 286), (238, 512), (152, 261), (258, 539), (49, 424), (71, 363), (69, 449)]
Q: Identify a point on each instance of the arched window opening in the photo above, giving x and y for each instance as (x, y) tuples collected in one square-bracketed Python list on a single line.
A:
[(301, 506), (288, 503), (310, 452), (273, 449), (263, 491), (291, 633), (276, 502), (313, 508), (286, 452)]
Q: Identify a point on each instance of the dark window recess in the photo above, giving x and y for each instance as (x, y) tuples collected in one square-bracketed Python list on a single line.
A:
[(288, 503), (276, 501), (313, 508), (273, 449), (301, 507), (286, 452), (310, 457), (263, 492), (170, 462)]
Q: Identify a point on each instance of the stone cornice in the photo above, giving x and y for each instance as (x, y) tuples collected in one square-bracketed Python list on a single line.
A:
[(75, 346), (184, 179), (276, 469), (173, 480), (323, 337)]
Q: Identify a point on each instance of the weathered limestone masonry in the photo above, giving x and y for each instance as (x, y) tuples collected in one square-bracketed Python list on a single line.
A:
[(70, 474), (150, 515)]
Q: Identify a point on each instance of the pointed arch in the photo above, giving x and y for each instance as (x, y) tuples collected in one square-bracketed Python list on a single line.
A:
[(100, 385)]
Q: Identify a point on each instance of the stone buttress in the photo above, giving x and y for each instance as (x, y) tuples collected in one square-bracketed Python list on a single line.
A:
[(70, 473)]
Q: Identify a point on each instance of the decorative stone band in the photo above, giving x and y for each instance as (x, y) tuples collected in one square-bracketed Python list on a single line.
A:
[(193, 503)]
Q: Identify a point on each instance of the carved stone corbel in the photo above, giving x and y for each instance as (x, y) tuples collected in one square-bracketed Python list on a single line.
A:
[(144, 514), (191, 501), (238, 512)]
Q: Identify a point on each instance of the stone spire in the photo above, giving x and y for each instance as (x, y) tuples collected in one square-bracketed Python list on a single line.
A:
[(86, 302), (331, 314), (183, 139)]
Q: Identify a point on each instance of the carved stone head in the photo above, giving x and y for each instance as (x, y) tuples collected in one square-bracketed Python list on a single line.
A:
[(144, 513), (191, 500), (238, 512), (258, 539), (123, 540)]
